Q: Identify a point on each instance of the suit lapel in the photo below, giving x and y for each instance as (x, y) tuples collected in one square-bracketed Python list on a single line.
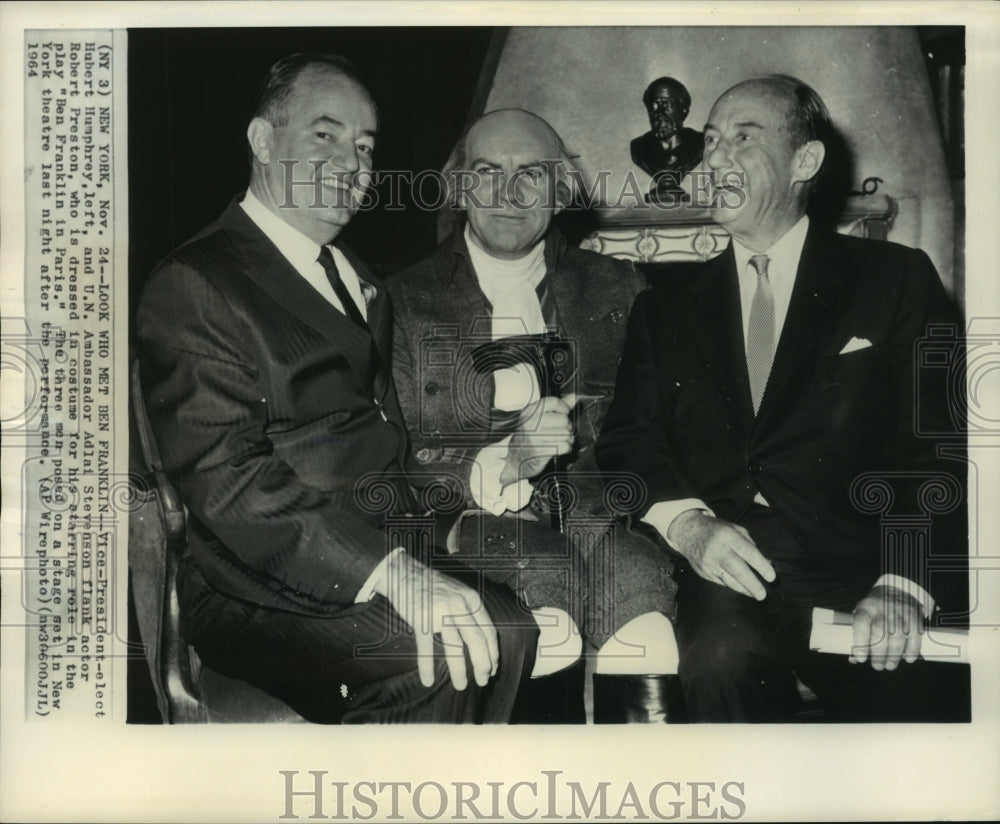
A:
[(271, 271), (571, 295), (819, 288), (718, 329), (379, 315)]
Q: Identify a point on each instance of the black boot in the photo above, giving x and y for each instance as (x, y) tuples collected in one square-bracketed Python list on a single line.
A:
[(638, 699), (552, 699)]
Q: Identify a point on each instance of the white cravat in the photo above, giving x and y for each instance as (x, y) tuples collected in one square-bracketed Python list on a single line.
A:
[(510, 287)]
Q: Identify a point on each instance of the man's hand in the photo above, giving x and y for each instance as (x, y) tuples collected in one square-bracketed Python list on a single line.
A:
[(544, 431), (720, 552), (432, 603), (887, 626)]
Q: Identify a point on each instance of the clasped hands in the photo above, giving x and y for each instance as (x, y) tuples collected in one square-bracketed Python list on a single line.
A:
[(887, 623), (544, 431), (436, 604)]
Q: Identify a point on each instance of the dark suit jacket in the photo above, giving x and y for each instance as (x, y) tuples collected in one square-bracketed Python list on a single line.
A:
[(260, 395), (682, 416), (442, 314)]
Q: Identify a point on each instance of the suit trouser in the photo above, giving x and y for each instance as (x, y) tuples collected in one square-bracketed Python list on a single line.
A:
[(739, 658), (602, 574), (358, 665)]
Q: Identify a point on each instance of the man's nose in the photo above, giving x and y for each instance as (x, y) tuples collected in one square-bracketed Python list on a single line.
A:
[(346, 158), (718, 156), (504, 184)]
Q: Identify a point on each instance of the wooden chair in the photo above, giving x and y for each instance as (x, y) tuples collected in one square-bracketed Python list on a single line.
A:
[(186, 690)]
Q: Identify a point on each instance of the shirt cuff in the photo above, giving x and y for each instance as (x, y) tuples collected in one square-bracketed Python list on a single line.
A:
[(485, 486), (911, 588), (661, 515), (367, 591)]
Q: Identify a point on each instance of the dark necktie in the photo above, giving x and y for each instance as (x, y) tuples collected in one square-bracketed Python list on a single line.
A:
[(379, 375), (339, 289), (760, 332)]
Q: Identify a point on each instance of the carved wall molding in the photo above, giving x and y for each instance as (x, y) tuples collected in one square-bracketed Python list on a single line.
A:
[(655, 234)]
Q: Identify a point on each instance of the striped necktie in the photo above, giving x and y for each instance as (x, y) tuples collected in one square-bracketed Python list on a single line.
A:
[(760, 332), (379, 374)]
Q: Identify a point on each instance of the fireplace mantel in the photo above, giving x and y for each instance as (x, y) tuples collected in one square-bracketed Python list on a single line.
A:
[(666, 234)]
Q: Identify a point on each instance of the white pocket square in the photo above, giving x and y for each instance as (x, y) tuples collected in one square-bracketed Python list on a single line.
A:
[(854, 344)]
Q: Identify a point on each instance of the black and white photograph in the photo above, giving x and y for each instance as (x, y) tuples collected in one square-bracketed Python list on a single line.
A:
[(596, 402)]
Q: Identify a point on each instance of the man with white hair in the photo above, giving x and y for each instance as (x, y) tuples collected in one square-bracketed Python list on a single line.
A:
[(507, 277)]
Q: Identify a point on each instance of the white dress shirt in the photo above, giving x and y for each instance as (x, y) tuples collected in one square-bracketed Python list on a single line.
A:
[(303, 254), (783, 261)]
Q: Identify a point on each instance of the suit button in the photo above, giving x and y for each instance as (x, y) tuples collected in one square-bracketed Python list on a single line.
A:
[(754, 468), (423, 455), (431, 388)]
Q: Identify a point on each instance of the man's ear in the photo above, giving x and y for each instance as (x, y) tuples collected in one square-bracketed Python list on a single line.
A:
[(564, 196), (564, 189), (807, 161), (259, 134)]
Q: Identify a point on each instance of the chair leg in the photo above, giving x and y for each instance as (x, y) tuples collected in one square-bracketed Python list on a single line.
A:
[(638, 699)]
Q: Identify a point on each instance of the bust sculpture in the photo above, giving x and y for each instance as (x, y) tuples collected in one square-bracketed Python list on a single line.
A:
[(669, 150)]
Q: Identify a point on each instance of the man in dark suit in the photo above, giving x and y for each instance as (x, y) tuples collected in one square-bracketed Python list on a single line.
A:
[(757, 402), (505, 274), (265, 353)]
